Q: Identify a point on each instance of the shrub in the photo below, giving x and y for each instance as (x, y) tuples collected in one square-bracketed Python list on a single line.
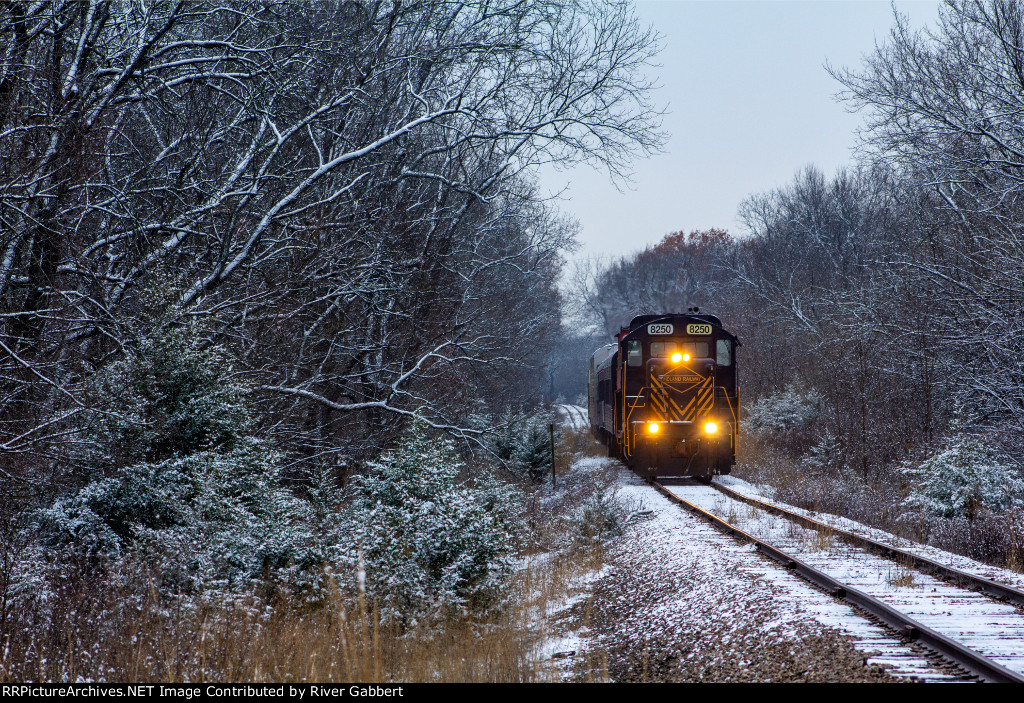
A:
[(601, 516), (532, 454), (177, 481), (826, 455), (429, 544), (209, 519), (785, 411), (170, 398), (522, 441), (964, 478)]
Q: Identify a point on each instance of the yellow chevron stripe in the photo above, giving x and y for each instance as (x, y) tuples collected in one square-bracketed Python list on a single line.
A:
[(664, 399), (676, 406), (705, 397), (706, 406), (687, 415)]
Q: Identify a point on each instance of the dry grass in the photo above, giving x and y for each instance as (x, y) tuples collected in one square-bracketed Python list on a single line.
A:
[(901, 575), (573, 443), (794, 531), (732, 517), (131, 633), (822, 540), (1014, 562), (247, 640)]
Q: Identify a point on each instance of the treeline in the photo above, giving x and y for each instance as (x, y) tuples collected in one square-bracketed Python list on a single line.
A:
[(885, 302), (270, 273), (337, 195)]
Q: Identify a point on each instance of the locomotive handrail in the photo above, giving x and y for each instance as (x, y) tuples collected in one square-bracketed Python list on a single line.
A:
[(625, 422), (735, 416)]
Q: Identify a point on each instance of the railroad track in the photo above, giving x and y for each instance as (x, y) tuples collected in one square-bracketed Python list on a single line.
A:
[(977, 663), (574, 415)]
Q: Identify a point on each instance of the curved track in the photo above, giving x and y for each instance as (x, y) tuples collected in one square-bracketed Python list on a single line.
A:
[(975, 662)]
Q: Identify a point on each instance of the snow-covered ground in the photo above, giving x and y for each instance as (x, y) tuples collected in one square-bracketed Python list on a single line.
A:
[(1005, 576), (563, 645), (572, 416), (694, 604), (987, 626)]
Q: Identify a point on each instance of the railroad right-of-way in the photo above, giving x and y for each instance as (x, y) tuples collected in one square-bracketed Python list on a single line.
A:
[(972, 621)]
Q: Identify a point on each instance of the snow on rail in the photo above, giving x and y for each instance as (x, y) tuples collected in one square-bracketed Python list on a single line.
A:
[(990, 627), (675, 540), (956, 561), (572, 416)]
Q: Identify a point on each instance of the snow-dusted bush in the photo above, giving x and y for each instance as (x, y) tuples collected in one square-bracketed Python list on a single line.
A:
[(522, 440), (177, 481), (428, 543), (825, 455), (23, 583), (209, 519), (964, 477), (532, 454), (792, 409), (170, 397), (601, 516)]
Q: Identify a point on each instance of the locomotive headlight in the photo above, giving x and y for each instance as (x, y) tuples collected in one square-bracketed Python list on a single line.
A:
[(653, 427), (686, 357), (677, 357), (710, 427)]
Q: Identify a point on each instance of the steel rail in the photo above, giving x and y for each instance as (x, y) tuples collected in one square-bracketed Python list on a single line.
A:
[(949, 574), (974, 662)]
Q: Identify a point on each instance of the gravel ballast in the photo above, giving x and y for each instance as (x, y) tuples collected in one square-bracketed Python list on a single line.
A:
[(680, 602)]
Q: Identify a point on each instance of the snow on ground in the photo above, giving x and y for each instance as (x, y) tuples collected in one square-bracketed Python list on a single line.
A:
[(572, 416), (1004, 576), (986, 625), (679, 601), (564, 645)]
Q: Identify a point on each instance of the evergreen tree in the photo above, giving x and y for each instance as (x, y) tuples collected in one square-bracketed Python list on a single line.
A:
[(428, 543)]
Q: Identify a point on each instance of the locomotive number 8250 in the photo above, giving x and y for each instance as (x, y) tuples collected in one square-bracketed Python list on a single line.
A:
[(663, 397)]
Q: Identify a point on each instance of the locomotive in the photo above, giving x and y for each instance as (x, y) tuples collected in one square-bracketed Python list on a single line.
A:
[(663, 397)]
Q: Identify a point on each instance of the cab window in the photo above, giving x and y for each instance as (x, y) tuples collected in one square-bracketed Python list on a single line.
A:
[(662, 348), (634, 353), (696, 350), (723, 356)]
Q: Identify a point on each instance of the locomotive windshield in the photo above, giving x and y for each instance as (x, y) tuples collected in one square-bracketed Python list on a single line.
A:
[(697, 350), (634, 356)]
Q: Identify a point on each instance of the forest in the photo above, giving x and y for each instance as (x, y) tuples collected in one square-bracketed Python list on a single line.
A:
[(283, 310), (246, 248)]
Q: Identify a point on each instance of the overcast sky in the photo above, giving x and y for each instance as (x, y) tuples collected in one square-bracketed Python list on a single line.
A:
[(750, 103)]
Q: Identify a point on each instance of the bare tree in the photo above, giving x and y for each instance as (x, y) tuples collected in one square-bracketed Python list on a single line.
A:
[(339, 193), (945, 106)]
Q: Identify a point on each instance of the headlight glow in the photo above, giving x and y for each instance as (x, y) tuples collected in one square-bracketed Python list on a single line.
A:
[(710, 427), (653, 427), (677, 357), (686, 357)]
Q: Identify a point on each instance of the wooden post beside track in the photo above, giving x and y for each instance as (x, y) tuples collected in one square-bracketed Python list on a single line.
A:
[(551, 429)]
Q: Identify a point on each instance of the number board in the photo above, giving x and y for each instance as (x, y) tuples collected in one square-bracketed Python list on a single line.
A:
[(661, 329), (697, 329)]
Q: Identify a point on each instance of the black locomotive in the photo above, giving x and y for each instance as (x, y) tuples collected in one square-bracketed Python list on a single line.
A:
[(664, 396)]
